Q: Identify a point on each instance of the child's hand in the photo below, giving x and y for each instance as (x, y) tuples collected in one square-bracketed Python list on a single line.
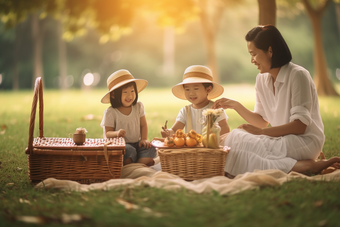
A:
[(167, 132), (144, 143), (164, 133), (121, 133)]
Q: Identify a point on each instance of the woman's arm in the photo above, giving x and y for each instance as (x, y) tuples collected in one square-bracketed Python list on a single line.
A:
[(224, 126), (295, 127), (251, 117), (111, 133)]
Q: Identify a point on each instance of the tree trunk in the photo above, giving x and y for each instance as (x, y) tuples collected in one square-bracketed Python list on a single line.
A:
[(209, 37), (323, 84), (62, 57), (168, 51), (337, 10), (17, 42), (210, 24), (37, 48), (267, 12)]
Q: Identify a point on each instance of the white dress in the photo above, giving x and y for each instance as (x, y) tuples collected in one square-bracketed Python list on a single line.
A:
[(295, 98)]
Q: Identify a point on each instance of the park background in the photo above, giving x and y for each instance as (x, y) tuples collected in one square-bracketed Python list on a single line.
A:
[(151, 44), (156, 44)]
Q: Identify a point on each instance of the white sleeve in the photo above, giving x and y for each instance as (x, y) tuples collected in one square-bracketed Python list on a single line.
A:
[(108, 118), (222, 117), (141, 109), (301, 98)]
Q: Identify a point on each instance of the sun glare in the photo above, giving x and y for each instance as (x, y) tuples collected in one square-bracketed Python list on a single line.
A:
[(88, 79)]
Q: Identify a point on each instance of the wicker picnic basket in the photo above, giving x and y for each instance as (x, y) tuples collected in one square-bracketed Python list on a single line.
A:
[(97, 160), (193, 163)]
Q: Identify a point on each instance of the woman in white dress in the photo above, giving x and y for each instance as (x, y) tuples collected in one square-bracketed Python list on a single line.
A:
[(286, 99)]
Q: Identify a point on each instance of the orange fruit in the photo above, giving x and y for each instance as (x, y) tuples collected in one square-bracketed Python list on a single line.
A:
[(169, 141), (179, 141), (179, 133), (192, 134), (190, 142), (199, 138)]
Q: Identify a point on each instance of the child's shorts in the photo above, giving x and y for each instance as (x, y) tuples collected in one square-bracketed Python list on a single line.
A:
[(133, 151)]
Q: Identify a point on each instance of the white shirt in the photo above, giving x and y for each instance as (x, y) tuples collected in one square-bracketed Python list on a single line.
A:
[(197, 117), (295, 98), (130, 123)]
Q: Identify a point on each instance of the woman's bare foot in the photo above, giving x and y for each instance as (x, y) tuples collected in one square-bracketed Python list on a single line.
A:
[(315, 167)]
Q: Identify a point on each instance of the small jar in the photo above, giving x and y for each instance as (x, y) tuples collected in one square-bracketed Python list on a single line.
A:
[(79, 138)]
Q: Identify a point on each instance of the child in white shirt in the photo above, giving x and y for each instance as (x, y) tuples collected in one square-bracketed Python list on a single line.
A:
[(126, 117), (198, 88)]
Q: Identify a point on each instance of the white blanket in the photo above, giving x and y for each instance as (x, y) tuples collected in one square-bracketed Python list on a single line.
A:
[(138, 174)]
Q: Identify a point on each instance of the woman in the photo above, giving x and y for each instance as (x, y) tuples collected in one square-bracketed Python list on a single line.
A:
[(286, 98)]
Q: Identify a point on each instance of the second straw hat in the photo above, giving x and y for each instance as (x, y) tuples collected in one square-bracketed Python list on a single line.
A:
[(197, 74)]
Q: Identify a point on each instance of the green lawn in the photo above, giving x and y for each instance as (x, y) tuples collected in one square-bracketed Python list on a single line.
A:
[(296, 203)]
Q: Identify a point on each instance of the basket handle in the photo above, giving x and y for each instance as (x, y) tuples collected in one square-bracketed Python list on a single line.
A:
[(38, 92)]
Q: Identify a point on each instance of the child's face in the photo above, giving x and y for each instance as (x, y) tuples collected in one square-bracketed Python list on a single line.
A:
[(128, 96), (197, 94)]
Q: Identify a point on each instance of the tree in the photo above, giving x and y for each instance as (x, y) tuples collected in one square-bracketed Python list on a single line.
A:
[(315, 10), (171, 16), (37, 47), (337, 10), (17, 45), (62, 57), (267, 12), (14, 12), (322, 82), (211, 13), (109, 17)]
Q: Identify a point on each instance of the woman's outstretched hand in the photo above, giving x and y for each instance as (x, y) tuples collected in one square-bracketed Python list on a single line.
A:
[(251, 129), (224, 103)]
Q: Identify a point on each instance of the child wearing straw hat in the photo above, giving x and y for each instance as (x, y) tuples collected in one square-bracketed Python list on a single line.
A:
[(126, 117), (198, 88)]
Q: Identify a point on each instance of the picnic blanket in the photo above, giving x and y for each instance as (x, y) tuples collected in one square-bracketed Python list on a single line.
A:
[(136, 174)]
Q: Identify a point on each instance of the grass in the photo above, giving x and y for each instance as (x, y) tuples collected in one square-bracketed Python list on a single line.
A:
[(296, 203)]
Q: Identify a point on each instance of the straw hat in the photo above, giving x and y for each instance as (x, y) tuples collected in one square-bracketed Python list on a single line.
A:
[(197, 74), (120, 78)]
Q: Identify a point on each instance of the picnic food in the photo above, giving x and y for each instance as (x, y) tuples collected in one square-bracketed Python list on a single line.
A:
[(199, 138), (190, 139), (169, 141), (212, 143), (179, 141), (179, 133), (80, 130), (190, 142), (79, 136)]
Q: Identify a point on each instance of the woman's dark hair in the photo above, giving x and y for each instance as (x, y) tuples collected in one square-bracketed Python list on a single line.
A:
[(269, 36), (117, 100)]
